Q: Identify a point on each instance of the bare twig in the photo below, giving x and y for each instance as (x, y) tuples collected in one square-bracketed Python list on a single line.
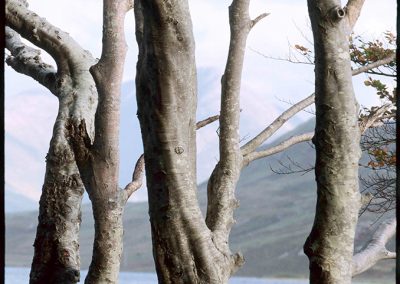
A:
[(206, 121)]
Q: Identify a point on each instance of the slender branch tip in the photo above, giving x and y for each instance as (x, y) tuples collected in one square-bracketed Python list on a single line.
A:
[(259, 18)]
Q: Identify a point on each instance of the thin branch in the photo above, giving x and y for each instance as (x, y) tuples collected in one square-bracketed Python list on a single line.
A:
[(253, 144), (353, 10), (223, 180), (206, 121), (375, 249), (137, 178), (366, 199), (375, 64), (67, 53), (240, 25), (287, 169), (278, 148), (27, 61), (290, 60), (276, 124), (259, 18), (373, 117)]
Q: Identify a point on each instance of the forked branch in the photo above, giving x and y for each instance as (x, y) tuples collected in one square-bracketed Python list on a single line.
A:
[(278, 148), (254, 143), (375, 249), (353, 9), (26, 60), (65, 50)]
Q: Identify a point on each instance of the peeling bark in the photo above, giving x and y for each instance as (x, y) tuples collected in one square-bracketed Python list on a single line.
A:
[(329, 246)]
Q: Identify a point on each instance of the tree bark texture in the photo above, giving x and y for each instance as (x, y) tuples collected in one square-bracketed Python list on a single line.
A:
[(166, 96), (375, 250), (329, 246), (56, 255), (186, 248), (98, 161)]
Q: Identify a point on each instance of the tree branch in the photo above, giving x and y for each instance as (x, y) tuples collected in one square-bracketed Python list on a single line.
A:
[(107, 74), (240, 25), (253, 144), (223, 180), (353, 9), (137, 178), (373, 117), (206, 121), (67, 53), (27, 61), (375, 64), (259, 18), (278, 148), (375, 249)]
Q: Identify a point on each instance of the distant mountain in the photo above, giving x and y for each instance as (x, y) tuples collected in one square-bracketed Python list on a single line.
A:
[(274, 218), (15, 202)]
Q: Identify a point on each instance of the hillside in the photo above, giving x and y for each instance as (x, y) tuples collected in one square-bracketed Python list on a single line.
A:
[(273, 220)]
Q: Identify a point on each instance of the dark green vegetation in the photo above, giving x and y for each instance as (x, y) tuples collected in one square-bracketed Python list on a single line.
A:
[(273, 220)]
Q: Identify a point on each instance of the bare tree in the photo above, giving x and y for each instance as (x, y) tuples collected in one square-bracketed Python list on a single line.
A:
[(56, 258), (330, 243), (377, 125), (188, 248), (98, 161), (78, 82)]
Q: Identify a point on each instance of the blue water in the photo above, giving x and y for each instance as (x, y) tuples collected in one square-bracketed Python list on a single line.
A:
[(20, 275)]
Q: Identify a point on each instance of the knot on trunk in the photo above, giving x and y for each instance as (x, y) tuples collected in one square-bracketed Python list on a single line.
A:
[(338, 13)]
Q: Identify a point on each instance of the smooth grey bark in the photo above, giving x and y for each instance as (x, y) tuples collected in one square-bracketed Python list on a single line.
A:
[(56, 255), (329, 246), (375, 249), (166, 95), (74, 143), (98, 161), (186, 248)]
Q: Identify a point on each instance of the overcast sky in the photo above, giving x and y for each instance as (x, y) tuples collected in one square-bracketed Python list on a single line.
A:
[(267, 85)]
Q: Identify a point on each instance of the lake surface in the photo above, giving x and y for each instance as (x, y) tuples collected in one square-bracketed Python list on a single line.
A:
[(20, 275)]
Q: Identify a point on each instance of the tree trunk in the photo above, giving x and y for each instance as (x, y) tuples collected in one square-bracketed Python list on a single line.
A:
[(329, 246), (166, 94), (98, 160), (186, 248), (56, 258), (107, 247)]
